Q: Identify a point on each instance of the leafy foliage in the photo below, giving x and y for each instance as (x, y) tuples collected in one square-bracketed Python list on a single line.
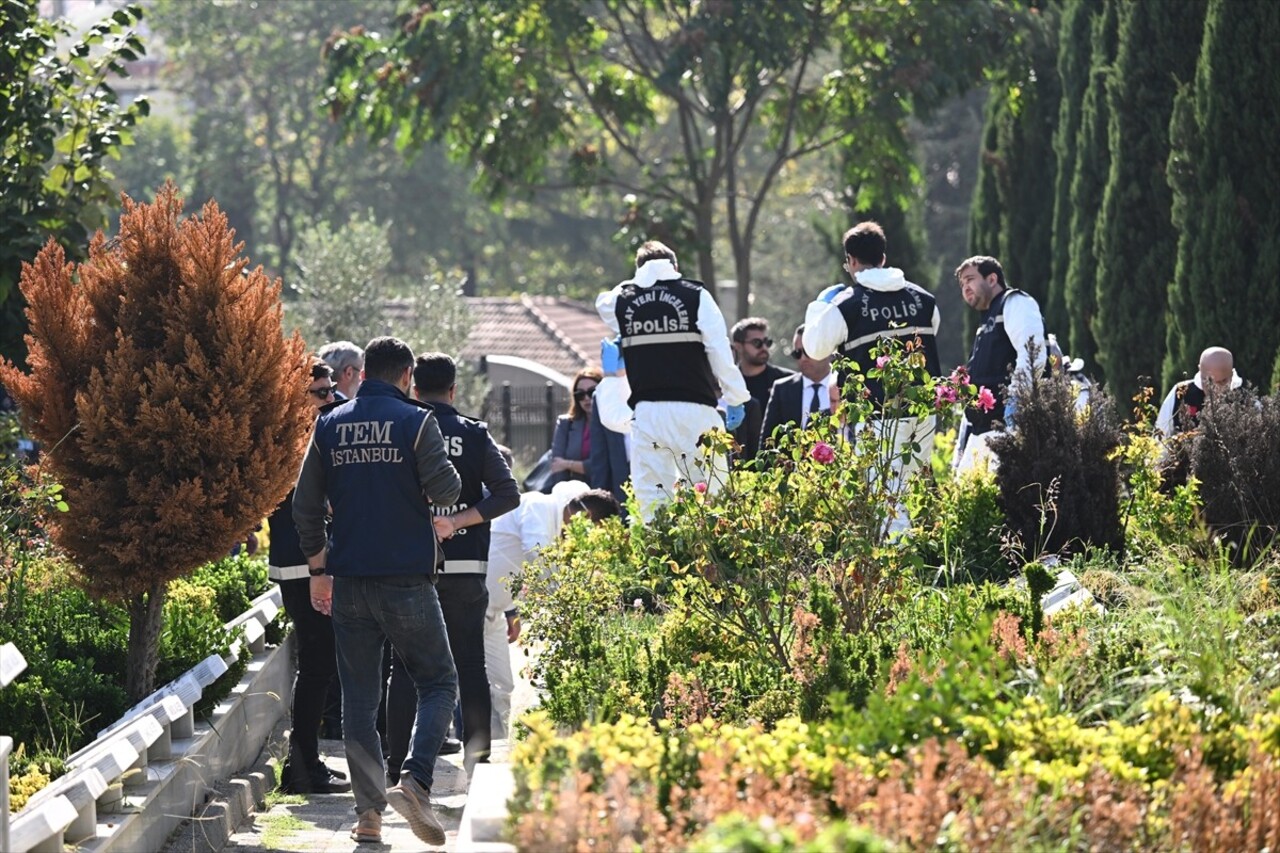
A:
[(166, 398), (675, 104), (1220, 170), (61, 124), (1135, 241)]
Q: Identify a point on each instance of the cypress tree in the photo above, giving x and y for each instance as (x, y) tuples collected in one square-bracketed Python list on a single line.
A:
[(1074, 50), (1013, 204), (1224, 173), (1087, 185), (1135, 238)]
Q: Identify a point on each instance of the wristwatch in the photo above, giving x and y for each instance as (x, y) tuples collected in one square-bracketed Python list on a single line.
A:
[(316, 571)]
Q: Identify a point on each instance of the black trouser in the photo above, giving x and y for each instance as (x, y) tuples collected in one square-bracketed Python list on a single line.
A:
[(464, 600), (317, 666)]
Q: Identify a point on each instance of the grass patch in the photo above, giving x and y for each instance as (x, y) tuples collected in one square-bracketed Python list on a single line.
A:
[(276, 829)]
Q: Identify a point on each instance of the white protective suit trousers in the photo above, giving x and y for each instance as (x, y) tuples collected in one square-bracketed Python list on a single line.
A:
[(497, 664), (664, 451)]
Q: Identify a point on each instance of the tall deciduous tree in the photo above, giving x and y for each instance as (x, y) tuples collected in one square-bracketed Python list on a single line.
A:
[(1074, 50), (1224, 172), (1087, 185), (662, 99), (169, 403), (1135, 241), (60, 124)]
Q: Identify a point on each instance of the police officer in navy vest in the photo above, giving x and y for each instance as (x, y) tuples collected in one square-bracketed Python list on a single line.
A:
[(1185, 400), (488, 491), (1011, 329), (881, 304), (379, 461), (853, 321)]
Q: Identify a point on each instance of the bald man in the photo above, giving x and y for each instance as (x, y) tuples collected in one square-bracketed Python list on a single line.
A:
[(1186, 399)]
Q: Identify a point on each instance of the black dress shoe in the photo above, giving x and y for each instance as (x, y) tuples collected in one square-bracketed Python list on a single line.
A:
[(450, 746), (323, 781), (330, 772)]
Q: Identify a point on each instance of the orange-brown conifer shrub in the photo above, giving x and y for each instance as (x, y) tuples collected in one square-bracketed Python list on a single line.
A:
[(167, 400)]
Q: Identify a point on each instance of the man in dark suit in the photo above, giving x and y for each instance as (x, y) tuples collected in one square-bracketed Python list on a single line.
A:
[(795, 398), (609, 463)]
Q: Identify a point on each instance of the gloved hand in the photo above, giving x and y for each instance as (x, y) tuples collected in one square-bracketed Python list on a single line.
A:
[(1010, 406), (829, 295), (733, 416), (611, 356)]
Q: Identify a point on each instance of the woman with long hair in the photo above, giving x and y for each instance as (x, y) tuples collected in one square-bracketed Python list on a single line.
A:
[(571, 443)]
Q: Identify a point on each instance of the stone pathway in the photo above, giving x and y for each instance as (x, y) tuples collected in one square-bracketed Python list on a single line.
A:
[(322, 823)]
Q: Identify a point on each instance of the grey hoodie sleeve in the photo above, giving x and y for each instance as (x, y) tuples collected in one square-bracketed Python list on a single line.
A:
[(439, 479)]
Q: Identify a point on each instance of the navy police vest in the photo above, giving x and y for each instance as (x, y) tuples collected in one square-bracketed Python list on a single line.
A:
[(873, 315), (662, 344), (466, 441), (991, 361), (381, 521)]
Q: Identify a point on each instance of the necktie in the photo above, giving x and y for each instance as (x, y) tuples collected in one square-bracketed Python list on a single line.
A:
[(815, 404)]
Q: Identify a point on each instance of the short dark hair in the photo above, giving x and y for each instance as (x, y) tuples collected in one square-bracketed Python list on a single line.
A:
[(386, 358), (746, 324), (986, 266), (653, 250), (799, 330), (599, 504), (507, 455), (320, 370), (434, 373), (866, 244)]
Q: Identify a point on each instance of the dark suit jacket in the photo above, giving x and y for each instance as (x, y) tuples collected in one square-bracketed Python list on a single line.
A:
[(784, 410), (607, 466)]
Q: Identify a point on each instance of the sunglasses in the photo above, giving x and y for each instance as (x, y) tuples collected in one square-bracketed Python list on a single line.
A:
[(796, 353), (583, 393), (323, 393), (759, 342)]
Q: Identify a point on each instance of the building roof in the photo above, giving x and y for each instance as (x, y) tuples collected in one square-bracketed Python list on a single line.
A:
[(559, 333)]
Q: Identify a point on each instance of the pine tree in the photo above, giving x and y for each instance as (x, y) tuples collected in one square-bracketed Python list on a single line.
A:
[(168, 402), (1135, 240), (1087, 185), (1224, 173), (1074, 50)]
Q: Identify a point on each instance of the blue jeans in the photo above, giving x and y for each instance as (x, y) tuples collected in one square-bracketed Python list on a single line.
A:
[(403, 609)]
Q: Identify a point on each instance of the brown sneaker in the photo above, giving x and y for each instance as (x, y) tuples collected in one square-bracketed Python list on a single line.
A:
[(412, 801), (368, 827)]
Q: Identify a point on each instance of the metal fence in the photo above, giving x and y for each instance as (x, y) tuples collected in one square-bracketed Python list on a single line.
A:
[(524, 418)]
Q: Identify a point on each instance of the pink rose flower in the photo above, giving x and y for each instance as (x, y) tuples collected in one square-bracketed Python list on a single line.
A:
[(882, 361), (944, 394), (986, 400), (700, 488), (823, 453), (960, 376)]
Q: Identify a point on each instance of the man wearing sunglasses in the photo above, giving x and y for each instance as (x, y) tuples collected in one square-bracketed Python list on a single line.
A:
[(678, 366), (795, 399), (347, 361), (303, 772), (752, 347)]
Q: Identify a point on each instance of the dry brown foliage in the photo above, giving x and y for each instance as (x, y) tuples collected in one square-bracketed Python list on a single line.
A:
[(165, 396)]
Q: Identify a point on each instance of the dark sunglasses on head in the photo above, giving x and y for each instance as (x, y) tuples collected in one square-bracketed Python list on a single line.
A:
[(323, 393), (759, 342)]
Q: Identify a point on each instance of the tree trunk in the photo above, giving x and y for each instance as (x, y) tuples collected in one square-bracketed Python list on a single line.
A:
[(703, 227), (742, 264), (145, 612)]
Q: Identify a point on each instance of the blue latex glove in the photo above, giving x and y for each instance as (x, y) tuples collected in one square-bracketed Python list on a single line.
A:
[(611, 356), (829, 295), (733, 417), (1010, 406)]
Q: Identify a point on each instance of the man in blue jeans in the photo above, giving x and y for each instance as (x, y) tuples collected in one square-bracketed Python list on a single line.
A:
[(380, 462)]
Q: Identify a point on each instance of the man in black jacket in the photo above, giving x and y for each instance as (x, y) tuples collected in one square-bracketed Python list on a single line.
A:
[(303, 772), (379, 461), (796, 398), (488, 491)]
